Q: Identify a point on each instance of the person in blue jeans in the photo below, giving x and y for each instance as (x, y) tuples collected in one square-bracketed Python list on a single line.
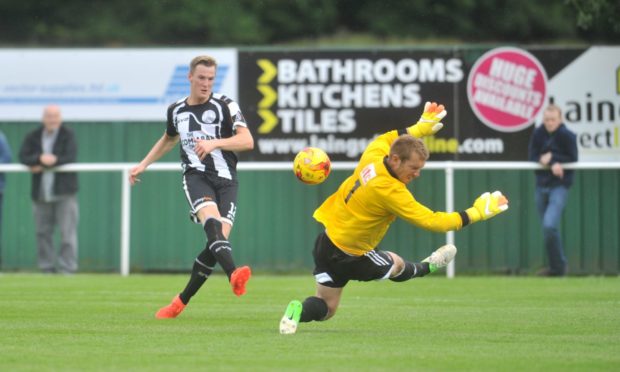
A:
[(551, 145)]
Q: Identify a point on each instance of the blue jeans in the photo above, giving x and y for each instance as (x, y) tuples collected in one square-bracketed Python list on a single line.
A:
[(550, 202), (1, 197)]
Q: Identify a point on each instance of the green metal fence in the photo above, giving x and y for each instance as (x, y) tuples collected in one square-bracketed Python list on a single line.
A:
[(274, 229)]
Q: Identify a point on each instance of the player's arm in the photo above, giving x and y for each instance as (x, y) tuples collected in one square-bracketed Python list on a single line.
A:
[(400, 202), (428, 124), (159, 149), (403, 204), (486, 206), (242, 140), (430, 121)]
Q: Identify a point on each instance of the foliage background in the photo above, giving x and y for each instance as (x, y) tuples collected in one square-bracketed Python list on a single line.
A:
[(113, 23)]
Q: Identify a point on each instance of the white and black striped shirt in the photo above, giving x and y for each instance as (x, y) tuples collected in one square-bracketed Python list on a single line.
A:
[(217, 118)]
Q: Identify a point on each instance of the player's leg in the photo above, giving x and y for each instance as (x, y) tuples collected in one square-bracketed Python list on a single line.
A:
[(324, 303), (321, 306), (406, 270), (227, 207), (217, 242), (201, 270), (201, 198), (220, 248)]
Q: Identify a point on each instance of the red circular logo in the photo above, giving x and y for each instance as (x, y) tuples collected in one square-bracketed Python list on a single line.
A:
[(507, 88)]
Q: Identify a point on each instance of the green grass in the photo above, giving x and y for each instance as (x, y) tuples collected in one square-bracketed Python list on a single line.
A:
[(105, 322)]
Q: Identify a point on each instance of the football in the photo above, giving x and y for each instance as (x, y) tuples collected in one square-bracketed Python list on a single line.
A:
[(312, 165)]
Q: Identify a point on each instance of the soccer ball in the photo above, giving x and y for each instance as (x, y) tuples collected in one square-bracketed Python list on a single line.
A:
[(312, 165)]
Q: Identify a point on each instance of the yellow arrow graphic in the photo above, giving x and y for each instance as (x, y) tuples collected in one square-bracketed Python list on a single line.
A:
[(269, 71), (269, 121), (269, 96)]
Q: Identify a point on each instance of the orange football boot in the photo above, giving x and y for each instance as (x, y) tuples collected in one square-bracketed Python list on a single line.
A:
[(171, 311), (239, 278)]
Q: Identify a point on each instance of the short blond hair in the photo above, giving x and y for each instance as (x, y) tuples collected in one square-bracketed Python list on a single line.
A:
[(406, 144), (554, 107), (207, 61)]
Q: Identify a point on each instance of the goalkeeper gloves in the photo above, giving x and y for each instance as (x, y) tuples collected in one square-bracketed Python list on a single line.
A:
[(429, 122), (486, 206)]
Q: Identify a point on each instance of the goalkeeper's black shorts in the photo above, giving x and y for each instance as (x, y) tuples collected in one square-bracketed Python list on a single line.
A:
[(334, 268)]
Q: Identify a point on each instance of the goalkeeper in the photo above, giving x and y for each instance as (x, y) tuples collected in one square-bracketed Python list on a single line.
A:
[(359, 213)]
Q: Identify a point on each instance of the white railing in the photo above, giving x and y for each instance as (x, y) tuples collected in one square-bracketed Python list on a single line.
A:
[(448, 166)]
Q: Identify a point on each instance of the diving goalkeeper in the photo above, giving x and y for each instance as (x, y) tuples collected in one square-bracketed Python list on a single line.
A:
[(359, 213)]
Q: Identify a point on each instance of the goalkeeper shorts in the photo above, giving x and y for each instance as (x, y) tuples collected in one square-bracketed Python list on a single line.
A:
[(334, 268)]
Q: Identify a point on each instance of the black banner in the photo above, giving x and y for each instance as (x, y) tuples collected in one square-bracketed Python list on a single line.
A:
[(340, 100)]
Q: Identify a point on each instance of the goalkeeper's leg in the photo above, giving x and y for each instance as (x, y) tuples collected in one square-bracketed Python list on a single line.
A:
[(320, 307), (405, 270)]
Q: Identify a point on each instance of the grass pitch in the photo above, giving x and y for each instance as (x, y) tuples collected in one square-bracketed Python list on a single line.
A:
[(106, 322)]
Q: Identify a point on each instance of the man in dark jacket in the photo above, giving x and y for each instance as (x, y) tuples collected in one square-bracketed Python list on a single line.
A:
[(53, 193), (551, 145)]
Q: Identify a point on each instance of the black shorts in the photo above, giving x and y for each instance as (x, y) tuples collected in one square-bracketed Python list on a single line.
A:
[(202, 190), (334, 268)]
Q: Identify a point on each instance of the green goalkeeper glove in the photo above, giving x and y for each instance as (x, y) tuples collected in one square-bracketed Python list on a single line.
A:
[(429, 122), (486, 206)]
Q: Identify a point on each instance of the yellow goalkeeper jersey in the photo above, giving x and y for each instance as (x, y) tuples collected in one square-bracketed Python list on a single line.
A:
[(357, 216)]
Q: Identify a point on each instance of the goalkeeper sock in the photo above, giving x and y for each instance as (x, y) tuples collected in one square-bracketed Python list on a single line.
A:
[(203, 267), (314, 308), (412, 270), (219, 245)]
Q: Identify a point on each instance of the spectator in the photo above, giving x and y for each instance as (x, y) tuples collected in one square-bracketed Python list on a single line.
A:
[(5, 157), (53, 193), (551, 145)]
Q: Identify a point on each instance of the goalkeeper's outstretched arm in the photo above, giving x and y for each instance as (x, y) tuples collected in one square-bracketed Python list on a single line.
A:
[(430, 121), (486, 206)]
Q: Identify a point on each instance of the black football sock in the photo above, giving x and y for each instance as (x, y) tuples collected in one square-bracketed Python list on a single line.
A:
[(203, 267), (314, 308), (219, 246), (412, 270)]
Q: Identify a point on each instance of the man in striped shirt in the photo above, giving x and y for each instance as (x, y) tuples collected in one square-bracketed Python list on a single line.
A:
[(211, 128), (357, 216)]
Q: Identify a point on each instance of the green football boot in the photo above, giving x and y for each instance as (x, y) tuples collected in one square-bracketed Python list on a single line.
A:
[(290, 320)]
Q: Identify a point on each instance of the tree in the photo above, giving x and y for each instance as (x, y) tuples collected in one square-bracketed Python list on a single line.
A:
[(598, 19)]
